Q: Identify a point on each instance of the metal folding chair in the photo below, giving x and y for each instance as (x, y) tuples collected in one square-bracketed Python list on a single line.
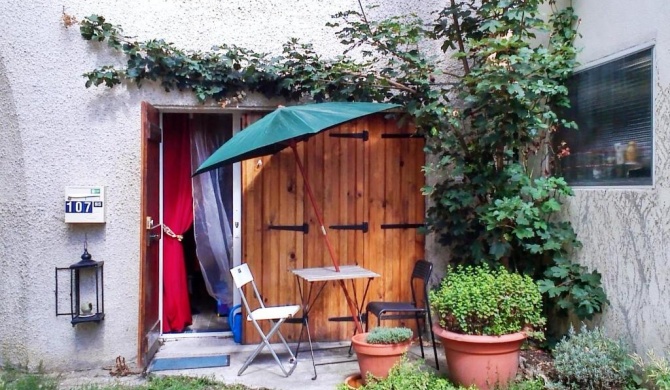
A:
[(408, 310), (275, 314)]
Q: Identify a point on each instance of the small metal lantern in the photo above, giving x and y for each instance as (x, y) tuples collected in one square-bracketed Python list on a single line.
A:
[(86, 290)]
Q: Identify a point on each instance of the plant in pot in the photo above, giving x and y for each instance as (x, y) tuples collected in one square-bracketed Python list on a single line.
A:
[(380, 349), (484, 316)]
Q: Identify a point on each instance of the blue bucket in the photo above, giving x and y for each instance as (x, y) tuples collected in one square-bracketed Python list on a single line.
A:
[(235, 322)]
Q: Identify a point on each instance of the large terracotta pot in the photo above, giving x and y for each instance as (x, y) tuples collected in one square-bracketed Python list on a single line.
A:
[(377, 359), (483, 361)]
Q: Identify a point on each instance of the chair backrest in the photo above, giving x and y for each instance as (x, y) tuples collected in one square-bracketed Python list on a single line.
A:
[(241, 276), (422, 270)]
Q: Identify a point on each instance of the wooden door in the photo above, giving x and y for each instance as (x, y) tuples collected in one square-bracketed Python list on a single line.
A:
[(149, 323), (366, 177)]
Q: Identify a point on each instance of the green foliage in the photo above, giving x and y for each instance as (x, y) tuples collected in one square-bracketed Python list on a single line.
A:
[(573, 288), (182, 383), (406, 375), (490, 207), (654, 373), (19, 377), (591, 360), (176, 383), (384, 335), (487, 124), (484, 301), (527, 384)]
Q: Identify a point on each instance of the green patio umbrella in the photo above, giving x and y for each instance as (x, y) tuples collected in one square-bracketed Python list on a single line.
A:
[(285, 125), (283, 128)]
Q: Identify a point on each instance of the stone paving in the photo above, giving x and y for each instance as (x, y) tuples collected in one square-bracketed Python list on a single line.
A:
[(334, 365)]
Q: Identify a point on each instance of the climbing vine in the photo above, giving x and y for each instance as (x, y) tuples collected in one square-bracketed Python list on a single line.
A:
[(487, 121)]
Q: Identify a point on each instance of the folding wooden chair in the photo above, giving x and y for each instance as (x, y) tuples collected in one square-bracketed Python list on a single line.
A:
[(276, 314)]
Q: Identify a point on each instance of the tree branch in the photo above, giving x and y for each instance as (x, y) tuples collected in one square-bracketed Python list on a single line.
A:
[(459, 38)]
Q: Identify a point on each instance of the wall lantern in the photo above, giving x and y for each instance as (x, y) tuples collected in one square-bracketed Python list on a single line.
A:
[(86, 290)]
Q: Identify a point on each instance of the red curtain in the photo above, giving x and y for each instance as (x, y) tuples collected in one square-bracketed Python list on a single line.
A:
[(177, 217)]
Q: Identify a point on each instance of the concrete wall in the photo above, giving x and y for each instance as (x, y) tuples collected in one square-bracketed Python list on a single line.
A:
[(55, 133), (626, 231)]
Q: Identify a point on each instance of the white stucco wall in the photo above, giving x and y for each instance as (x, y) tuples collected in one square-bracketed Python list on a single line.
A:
[(55, 133), (626, 231)]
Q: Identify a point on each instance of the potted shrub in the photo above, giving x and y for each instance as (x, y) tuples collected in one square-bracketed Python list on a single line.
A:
[(380, 349), (484, 316)]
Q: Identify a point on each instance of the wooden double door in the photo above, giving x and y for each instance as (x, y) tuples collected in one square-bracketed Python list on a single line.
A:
[(366, 177)]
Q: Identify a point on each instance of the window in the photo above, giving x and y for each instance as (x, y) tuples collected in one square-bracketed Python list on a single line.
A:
[(612, 105)]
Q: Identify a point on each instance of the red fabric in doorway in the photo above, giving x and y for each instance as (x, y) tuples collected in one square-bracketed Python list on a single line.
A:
[(178, 216)]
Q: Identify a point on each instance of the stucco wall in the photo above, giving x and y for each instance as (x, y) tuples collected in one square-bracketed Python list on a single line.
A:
[(55, 133), (625, 231)]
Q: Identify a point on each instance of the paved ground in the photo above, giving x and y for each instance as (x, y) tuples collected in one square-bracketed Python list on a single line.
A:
[(263, 373)]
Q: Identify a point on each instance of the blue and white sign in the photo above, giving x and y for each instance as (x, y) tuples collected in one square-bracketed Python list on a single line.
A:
[(85, 204)]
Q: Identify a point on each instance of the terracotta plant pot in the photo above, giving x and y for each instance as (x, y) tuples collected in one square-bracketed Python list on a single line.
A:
[(354, 381), (377, 359), (483, 361)]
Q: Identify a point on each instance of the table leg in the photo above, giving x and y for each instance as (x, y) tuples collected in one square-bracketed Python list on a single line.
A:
[(307, 304)]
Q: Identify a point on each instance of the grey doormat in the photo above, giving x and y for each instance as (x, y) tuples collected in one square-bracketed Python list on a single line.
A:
[(190, 362)]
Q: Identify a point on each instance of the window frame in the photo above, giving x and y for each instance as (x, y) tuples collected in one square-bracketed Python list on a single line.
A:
[(651, 45)]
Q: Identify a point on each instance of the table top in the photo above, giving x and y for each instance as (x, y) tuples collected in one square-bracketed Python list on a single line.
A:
[(322, 274)]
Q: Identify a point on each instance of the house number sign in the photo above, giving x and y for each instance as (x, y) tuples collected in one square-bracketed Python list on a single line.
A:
[(85, 204)]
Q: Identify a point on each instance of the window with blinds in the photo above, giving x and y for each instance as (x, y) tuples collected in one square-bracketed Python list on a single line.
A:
[(612, 105)]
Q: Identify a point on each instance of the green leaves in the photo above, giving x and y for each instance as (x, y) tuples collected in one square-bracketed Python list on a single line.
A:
[(485, 301)]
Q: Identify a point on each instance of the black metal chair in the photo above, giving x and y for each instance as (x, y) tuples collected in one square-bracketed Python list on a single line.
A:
[(408, 310)]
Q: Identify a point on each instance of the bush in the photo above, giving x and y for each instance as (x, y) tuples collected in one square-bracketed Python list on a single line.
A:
[(382, 335), (527, 384), (484, 301), (653, 373), (591, 360), (407, 375)]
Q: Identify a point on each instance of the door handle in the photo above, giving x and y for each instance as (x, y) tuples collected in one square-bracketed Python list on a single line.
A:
[(152, 236)]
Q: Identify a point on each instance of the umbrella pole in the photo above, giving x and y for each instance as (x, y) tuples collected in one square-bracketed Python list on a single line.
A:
[(350, 303), (336, 263)]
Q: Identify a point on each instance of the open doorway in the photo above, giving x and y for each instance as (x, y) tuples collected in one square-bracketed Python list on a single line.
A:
[(197, 250)]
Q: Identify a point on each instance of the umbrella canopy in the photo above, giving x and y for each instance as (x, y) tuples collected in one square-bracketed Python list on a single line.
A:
[(273, 132)]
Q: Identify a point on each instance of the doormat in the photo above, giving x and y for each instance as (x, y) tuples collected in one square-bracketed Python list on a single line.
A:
[(186, 363)]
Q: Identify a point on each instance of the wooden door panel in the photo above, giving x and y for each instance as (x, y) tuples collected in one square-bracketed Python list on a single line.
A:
[(353, 181), (149, 324)]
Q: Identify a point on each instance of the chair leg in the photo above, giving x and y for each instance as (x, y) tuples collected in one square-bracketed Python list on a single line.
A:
[(266, 343), (293, 360), (432, 336), (419, 331)]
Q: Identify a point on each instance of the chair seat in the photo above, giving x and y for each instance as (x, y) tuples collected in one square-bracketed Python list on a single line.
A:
[(273, 313), (407, 307)]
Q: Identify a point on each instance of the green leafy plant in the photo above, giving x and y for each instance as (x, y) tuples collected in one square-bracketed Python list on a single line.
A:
[(591, 360), (384, 335), (527, 384), (654, 372), (484, 301), (406, 375)]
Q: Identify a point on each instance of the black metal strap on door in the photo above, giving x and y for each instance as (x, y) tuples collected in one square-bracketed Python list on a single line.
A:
[(292, 228), (362, 227), (402, 225), (364, 135), (408, 135)]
